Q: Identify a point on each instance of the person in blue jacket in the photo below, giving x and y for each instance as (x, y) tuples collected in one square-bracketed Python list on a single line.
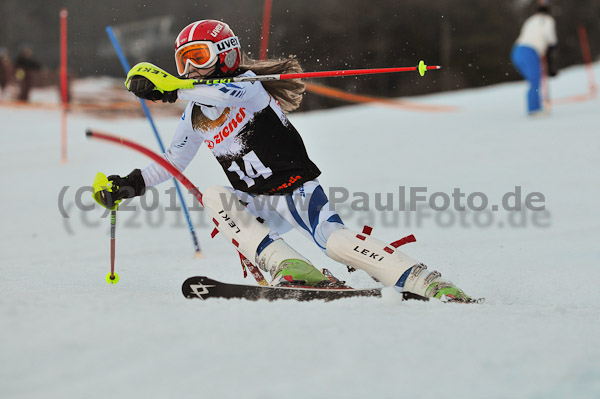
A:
[(536, 40)]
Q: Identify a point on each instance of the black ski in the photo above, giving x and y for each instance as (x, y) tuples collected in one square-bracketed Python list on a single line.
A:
[(205, 288)]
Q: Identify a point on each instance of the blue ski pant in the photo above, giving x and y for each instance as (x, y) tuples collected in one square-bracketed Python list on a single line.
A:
[(527, 62), (307, 210)]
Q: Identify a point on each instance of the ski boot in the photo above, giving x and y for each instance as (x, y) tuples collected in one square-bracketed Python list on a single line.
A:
[(295, 272), (431, 285), (288, 267), (447, 290)]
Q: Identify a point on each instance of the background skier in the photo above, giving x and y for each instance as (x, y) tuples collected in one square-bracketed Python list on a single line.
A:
[(536, 40), (25, 68)]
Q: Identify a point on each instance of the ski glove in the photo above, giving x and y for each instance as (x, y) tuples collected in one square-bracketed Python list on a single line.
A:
[(130, 186), (144, 88)]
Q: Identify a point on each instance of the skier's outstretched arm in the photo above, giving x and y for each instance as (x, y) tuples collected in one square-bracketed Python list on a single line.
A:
[(182, 150)]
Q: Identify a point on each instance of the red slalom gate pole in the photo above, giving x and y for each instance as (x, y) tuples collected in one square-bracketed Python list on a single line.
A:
[(587, 58), (151, 154), (254, 270), (266, 27), (63, 82), (545, 84)]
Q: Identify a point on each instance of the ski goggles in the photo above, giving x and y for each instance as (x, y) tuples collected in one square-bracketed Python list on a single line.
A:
[(202, 54)]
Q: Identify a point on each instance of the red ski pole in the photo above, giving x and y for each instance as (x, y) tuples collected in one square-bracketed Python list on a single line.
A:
[(421, 68), (99, 188), (112, 277), (168, 82)]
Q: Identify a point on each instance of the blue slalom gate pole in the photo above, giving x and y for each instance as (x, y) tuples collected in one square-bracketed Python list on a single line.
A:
[(126, 67)]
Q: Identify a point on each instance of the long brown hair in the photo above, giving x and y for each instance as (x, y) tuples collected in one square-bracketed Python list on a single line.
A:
[(288, 92)]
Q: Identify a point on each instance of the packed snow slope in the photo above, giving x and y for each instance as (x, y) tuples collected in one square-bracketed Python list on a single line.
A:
[(66, 333)]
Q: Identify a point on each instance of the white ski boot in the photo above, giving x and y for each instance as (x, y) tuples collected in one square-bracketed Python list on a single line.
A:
[(418, 280)]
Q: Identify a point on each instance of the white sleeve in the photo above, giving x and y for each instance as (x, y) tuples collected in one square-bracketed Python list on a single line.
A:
[(183, 148), (223, 94)]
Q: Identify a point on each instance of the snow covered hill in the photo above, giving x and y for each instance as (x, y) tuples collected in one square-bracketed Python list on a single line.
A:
[(66, 333)]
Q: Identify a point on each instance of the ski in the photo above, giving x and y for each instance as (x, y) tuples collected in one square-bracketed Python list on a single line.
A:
[(201, 287)]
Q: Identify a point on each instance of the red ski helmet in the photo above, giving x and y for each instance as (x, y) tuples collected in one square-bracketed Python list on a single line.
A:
[(206, 43)]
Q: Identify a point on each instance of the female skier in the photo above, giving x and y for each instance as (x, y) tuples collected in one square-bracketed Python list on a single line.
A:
[(275, 186), (536, 40)]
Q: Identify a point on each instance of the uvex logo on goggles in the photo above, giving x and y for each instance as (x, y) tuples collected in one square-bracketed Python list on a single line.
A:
[(202, 54)]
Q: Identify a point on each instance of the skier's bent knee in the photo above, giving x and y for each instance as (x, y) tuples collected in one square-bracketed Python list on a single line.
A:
[(253, 239)]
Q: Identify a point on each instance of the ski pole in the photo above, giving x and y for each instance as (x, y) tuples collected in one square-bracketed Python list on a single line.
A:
[(167, 82), (99, 188), (112, 277), (421, 68), (256, 273), (125, 65)]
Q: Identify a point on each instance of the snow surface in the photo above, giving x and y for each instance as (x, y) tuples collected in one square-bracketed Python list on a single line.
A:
[(66, 333)]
